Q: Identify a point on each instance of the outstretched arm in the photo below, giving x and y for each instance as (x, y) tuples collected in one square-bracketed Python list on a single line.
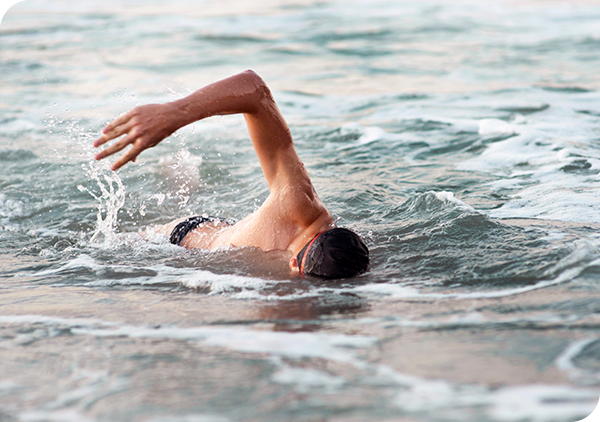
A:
[(246, 93)]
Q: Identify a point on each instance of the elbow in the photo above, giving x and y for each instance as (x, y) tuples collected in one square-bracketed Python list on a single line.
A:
[(260, 87), (253, 77)]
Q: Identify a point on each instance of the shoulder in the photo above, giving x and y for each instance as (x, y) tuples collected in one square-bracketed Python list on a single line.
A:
[(299, 204)]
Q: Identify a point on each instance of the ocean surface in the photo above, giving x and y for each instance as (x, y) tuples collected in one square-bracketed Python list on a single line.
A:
[(461, 139)]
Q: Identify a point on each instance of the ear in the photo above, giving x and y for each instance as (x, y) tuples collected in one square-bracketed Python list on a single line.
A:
[(294, 264)]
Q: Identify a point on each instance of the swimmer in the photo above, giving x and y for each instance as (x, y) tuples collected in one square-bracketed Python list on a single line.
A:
[(292, 218)]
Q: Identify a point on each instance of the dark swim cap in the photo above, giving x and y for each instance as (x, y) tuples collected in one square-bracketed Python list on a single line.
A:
[(335, 253)]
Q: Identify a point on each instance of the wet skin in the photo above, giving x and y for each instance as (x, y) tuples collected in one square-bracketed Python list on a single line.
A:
[(291, 215)]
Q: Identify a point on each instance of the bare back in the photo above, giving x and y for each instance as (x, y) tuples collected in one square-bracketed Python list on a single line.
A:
[(268, 228)]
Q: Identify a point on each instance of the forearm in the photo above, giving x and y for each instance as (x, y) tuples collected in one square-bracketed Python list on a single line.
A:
[(239, 94)]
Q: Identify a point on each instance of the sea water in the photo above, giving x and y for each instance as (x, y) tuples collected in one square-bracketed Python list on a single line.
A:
[(460, 139)]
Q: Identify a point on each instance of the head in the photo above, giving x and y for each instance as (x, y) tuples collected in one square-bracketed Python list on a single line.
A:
[(335, 253)]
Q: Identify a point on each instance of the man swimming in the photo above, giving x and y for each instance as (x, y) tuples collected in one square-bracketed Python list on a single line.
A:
[(292, 218)]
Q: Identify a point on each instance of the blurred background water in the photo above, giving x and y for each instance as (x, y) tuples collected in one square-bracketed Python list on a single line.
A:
[(460, 139)]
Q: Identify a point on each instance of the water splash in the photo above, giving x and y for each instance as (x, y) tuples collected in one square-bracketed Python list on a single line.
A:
[(110, 200), (182, 174), (110, 192)]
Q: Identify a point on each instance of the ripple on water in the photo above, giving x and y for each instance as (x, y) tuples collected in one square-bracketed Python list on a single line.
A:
[(431, 128)]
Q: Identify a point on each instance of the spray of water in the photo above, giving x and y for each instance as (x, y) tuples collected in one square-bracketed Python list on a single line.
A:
[(110, 192), (182, 174), (110, 199)]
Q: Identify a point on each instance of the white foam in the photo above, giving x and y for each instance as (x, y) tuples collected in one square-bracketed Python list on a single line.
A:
[(505, 156), (584, 253), (552, 202), (476, 319), (10, 208), (398, 291), (44, 232), (82, 261), (448, 198), (539, 166), (388, 289), (69, 415), (293, 345), (435, 394), (196, 417), (541, 403), (223, 283), (565, 362), (40, 319), (537, 403), (495, 127), (338, 347), (307, 379), (369, 134), (238, 286), (263, 296)]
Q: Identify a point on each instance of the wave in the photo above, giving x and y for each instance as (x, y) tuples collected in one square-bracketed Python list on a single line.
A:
[(289, 353)]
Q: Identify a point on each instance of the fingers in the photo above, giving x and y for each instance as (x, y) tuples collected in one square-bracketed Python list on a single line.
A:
[(116, 147), (117, 122), (133, 127), (101, 141), (113, 132), (130, 155)]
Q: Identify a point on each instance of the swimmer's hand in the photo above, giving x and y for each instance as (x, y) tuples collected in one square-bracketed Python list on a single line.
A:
[(143, 127)]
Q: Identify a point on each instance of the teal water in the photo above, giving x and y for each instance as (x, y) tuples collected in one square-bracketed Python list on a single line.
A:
[(459, 139)]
